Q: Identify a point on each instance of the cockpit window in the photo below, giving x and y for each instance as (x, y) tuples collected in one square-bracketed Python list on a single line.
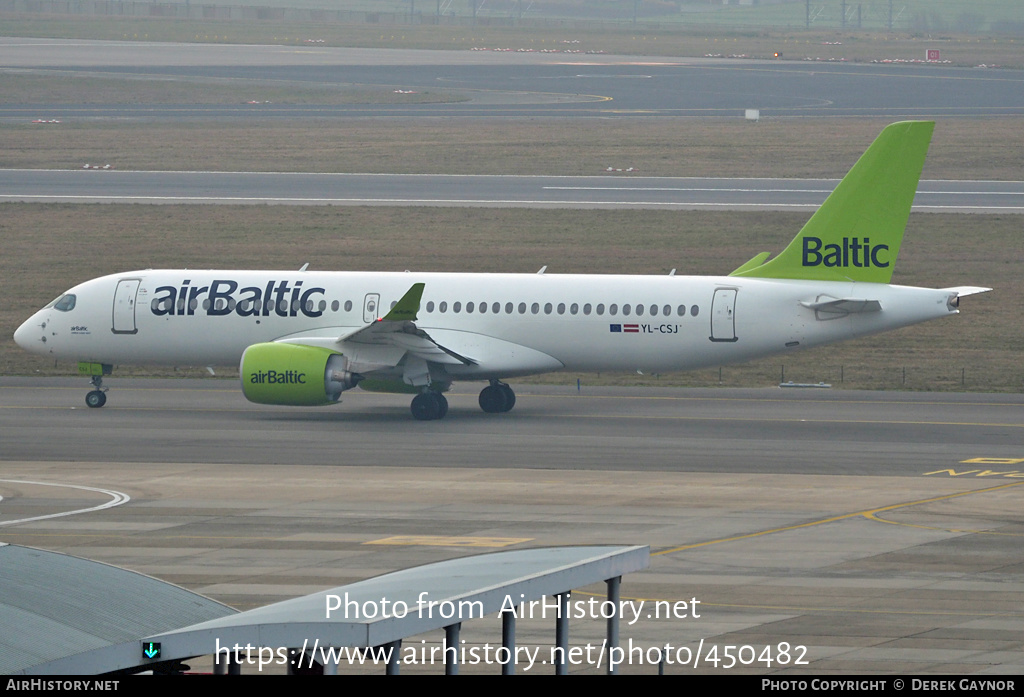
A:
[(65, 303)]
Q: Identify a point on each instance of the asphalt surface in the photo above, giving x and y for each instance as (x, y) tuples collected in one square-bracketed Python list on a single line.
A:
[(821, 532), (519, 85), (815, 431), (616, 191)]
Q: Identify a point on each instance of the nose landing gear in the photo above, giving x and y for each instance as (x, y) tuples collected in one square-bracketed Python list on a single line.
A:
[(98, 396)]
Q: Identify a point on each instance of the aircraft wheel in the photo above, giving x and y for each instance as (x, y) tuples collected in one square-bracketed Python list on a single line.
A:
[(428, 406), (510, 397), (96, 399), (493, 399)]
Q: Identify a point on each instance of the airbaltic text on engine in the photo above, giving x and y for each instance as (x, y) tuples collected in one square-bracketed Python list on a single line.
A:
[(862, 253), (273, 377), (278, 297)]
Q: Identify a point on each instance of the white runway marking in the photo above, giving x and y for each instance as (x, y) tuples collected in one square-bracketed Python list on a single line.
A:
[(117, 498)]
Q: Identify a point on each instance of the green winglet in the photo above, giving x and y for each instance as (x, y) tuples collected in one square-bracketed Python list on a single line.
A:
[(856, 234), (407, 307), (752, 264)]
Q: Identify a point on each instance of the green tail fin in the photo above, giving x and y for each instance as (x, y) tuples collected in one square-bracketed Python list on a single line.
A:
[(856, 234)]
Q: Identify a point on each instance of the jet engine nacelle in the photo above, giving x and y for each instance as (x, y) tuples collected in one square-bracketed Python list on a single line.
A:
[(294, 375)]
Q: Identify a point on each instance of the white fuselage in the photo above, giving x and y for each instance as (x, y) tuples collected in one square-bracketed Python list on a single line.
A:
[(509, 324)]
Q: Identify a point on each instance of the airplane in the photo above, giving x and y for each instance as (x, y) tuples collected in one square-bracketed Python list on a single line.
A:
[(301, 338)]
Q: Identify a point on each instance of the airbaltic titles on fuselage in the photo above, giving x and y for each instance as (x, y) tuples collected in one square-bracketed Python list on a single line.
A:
[(223, 297)]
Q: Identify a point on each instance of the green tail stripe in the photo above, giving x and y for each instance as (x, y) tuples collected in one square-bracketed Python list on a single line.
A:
[(856, 234)]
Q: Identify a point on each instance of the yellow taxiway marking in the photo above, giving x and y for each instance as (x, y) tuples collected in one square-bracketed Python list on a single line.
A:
[(870, 514), (444, 541), (993, 461)]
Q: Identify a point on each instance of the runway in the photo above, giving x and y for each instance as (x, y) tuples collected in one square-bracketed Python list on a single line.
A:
[(513, 85), (880, 531), (623, 190), (764, 431)]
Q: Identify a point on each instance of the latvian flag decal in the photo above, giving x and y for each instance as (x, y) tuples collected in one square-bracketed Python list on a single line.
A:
[(625, 328)]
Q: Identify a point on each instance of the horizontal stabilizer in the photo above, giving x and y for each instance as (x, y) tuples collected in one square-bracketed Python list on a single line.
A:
[(962, 291), (844, 305)]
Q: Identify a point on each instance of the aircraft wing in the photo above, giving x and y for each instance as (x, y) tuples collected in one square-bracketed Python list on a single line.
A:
[(397, 329)]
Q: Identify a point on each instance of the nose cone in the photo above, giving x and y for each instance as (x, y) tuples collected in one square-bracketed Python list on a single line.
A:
[(29, 335)]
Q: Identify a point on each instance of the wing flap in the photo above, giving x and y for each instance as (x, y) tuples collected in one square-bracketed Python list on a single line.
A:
[(419, 343)]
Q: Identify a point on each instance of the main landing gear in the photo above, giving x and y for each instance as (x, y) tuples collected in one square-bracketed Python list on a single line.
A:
[(497, 398), (98, 397), (429, 405)]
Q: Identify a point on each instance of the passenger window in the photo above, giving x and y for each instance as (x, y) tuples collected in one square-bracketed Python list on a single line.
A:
[(586, 309), (574, 308), (334, 305), (625, 309), (535, 308), (442, 306), (547, 308), (561, 308), (694, 310), (667, 310), (430, 306), (456, 307), (508, 308), (613, 309), (522, 308), (348, 306), (682, 311), (469, 307), (600, 308), (639, 310)]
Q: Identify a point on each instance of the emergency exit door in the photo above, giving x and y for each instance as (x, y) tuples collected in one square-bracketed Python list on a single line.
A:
[(723, 315)]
